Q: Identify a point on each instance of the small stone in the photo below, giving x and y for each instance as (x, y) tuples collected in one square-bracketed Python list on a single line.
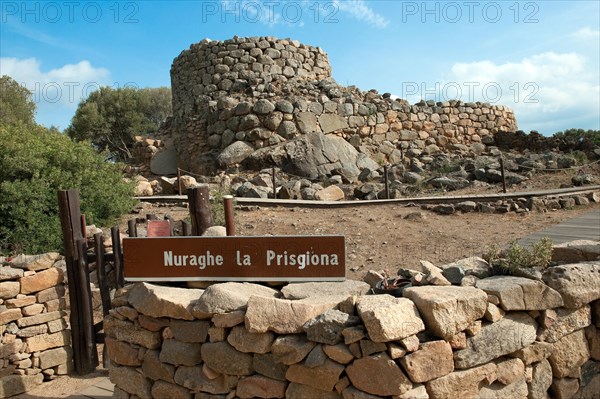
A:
[(321, 377), (225, 359), (389, 319), (248, 342), (327, 328), (432, 360), (180, 353), (338, 353), (291, 349), (378, 375), (258, 386)]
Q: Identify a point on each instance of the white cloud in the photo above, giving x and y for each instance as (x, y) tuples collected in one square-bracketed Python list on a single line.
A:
[(587, 33), (58, 90), (546, 91), (359, 10)]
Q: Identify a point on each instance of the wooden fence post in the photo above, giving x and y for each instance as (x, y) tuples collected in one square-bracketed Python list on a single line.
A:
[(229, 220), (132, 228), (199, 200), (118, 256), (387, 182), (502, 174), (83, 341), (186, 228)]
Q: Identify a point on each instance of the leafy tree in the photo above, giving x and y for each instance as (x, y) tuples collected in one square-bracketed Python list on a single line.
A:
[(16, 103), (580, 134), (110, 118), (35, 162)]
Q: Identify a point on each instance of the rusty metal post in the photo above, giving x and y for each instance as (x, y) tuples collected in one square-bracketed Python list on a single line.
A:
[(200, 211), (228, 208), (502, 173), (274, 183), (387, 182)]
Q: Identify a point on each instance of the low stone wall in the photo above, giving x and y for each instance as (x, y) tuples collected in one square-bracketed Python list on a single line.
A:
[(35, 331), (495, 337)]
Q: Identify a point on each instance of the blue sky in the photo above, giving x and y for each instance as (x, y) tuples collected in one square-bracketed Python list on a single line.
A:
[(540, 58)]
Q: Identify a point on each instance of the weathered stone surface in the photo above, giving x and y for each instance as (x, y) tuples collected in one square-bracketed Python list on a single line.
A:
[(331, 193), (230, 319), (578, 283), (33, 330), (565, 321), (47, 341), (389, 319), (189, 331), (10, 273), (319, 289), (332, 122), (39, 319), (327, 328), (519, 293), (20, 302), (10, 315), (496, 390), (15, 384), (433, 274), (493, 313), (510, 370), (9, 289), (540, 381), (235, 153), (228, 297), (472, 266), (593, 336), (122, 353), (301, 391), (291, 349), (126, 331), (576, 251), (352, 393), (248, 342), (158, 301), (515, 331), (266, 365), (193, 378), (130, 380), (50, 294), (153, 368), (378, 375), (418, 392), (569, 353), (432, 360), (258, 386), (35, 262), (151, 323), (368, 347), (338, 353), (164, 390), (321, 377), (32, 310), (223, 358), (285, 316), (180, 353), (533, 353), (590, 381), (316, 357), (55, 357), (461, 384), (41, 280), (448, 310)]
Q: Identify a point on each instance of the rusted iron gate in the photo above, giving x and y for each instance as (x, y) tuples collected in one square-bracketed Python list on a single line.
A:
[(85, 335)]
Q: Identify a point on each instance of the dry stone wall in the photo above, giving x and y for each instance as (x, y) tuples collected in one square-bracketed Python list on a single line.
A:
[(35, 331), (263, 91), (492, 337)]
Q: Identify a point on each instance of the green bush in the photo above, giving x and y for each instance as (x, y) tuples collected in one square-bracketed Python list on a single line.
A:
[(35, 163), (516, 257)]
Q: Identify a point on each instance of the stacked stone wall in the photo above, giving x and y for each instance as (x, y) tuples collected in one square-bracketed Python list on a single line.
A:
[(488, 337), (264, 91), (35, 331)]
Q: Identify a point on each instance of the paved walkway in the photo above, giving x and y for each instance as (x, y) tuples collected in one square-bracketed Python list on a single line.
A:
[(584, 227)]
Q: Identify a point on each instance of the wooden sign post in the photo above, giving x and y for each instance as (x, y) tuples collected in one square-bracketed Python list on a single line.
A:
[(289, 258)]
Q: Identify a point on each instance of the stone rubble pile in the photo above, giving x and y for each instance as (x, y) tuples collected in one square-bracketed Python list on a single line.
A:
[(35, 332), (257, 92), (488, 337)]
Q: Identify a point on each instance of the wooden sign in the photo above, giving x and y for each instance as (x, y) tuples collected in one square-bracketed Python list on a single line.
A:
[(159, 228), (271, 258)]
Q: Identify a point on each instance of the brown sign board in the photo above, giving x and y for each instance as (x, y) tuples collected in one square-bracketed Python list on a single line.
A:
[(159, 228), (267, 258)]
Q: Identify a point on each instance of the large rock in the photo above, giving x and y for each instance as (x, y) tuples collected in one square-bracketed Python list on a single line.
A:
[(540, 381), (576, 251), (193, 378), (378, 375), (461, 384), (515, 331), (131, 381), (301, 391), (578, 283), (15, 384), (312, 155), (568, 354), (284, 316), (41, 280), (332, 122), (235, 153), (158, 301), (229, 297), (327, 328), (305, 290), (258, 386), (389, 319), (432, 360), (55, 357), (474, 266), (519, 293), (224, 358), (47, 341), (35, 262), (291, 349), (322, 377), (126, 331), (180, 353), (448, 310), (331, 193), (563, 322), (248, 342), (164, 162)]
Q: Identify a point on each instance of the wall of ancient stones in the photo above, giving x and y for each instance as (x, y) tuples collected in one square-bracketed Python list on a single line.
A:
[(35, 333), (264, 91), (479, 337)]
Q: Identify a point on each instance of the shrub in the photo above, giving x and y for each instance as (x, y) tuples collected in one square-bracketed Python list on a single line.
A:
[(517, 257), (35, 162)]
